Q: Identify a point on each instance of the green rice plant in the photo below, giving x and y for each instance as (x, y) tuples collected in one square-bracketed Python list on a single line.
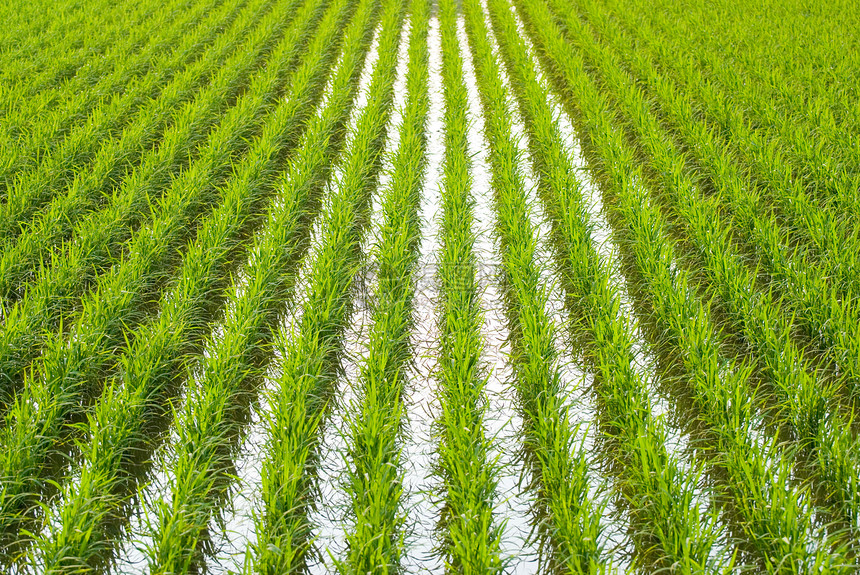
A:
[(100, 237), (806, 405), (779, 532), (72, 367), (569, 522), (671, 531), (375, 485), (162, 350), (470, 534), (35, 125), (211, 420), (86, 193), (31, 189), (311, 357), (804, 402)]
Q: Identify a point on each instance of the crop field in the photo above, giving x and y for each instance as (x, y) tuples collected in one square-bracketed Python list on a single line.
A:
[(429, 286)]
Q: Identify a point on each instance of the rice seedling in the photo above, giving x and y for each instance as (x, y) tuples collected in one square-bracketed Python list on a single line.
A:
[(419, 444), (375, 542), (309, 367), (570, 528), (60, 62), (651, 472), (444, 286), (810, 141), (162, 350), (470, 534), (791, 550), (818, 304), (820, 226), (62, 70), (519, 548), (805, 405), (87, 191)]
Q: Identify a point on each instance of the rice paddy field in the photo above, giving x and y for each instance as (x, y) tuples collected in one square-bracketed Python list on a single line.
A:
[(429, 286)]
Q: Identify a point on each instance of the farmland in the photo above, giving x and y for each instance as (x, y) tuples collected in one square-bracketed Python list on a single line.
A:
[(429, 286)]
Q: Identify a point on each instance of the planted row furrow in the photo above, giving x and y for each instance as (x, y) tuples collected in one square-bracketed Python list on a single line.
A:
[(826, 311), (469, 532), (99, 240), (87, 192), (661, 494), (784, 534), (311, 355), (375, 484), (36, 125), (567, 520), (211, 420), (70, 371), (31, 189), (806, 405), (155, 364)]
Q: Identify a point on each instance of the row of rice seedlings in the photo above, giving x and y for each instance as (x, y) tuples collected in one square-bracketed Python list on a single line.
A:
[(550, 315), (502, 420), (811, 294), (72, 367), (470, 534), (87, 191), (233, 532), (783, 535), (805, 404), (49, 72), (662, 494), (375, 542), (331, 467), (31, 189), (155, 364), (418, 447), (830, 236), (311, 352), (209, 425), (38, 121), (581, 405), (99, 239), (809, 139)]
